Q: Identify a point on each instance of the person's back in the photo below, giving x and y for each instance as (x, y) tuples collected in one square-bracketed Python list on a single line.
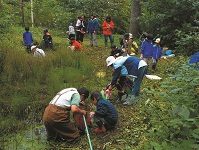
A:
[(27, 39)]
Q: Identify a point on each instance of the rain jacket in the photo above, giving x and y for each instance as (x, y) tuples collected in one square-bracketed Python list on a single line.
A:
[(92, 25), (157, 52), (147, 49), (107, 27)]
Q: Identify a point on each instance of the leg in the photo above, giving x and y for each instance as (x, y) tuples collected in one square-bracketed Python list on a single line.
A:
[(111, 39), (106, 40), (95, 39), (91, 38)]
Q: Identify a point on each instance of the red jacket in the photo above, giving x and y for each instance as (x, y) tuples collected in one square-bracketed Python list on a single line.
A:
[(107, 27), (77, 45)]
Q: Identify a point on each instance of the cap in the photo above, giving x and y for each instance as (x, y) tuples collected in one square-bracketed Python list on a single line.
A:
[(110, 60), (157, 40), (32, 47)]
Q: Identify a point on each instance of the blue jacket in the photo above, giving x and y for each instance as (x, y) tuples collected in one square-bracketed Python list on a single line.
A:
[(157, 52), (27, 38), (106, 109), (92, 25), (194, 59), (125, 66), (147, 49)]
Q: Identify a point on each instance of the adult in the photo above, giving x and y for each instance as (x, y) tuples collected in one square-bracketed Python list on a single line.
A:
[(106, 115), (107, 28), (80, 29), (57, 114), (92, 28), (75, 45), (128, 66), (27, 39), (37, 52)]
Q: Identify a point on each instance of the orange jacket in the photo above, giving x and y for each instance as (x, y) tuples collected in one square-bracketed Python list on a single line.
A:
[(107, 27), (77, 45)]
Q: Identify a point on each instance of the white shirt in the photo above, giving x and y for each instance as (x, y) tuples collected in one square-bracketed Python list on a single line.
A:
[(39, 53)]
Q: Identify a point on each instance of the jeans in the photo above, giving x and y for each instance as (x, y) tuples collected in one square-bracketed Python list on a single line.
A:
[(138, 81), (106, 39)]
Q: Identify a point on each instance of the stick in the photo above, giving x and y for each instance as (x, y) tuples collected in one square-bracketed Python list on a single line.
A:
[(91, 148)]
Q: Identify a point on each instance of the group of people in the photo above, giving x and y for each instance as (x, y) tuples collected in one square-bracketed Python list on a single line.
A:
[(35, 47), (132, 66), (57, 120), (91, 28), (123, 63)]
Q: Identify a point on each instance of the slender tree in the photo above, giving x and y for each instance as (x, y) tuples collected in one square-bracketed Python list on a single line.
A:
[(22, 12), (135, 13)]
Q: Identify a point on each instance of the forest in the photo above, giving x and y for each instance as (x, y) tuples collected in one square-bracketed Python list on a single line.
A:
[(166, 118)]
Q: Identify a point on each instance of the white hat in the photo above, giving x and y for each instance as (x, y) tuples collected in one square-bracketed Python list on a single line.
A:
[(32, 47), (157, 40), (110, 60), (130, 35)]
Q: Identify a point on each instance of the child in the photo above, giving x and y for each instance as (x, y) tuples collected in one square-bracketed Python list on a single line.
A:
[(37, 52), (75, 45), (71, 31), (47, 40), (27, 39), (106, 115), (157, 53)]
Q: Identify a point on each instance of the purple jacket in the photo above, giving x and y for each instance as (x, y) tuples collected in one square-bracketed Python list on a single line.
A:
[(147, 49), (27, 38), (157, 52)]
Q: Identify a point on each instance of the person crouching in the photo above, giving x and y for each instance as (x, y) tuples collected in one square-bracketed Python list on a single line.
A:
[(106, 115)]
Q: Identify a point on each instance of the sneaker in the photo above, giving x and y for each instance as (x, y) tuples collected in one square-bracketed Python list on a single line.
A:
[(97, 130), (132, 100), (118, 101)]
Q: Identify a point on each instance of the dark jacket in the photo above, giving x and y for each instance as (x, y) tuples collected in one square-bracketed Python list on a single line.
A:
[(106, 109), (92, 25)]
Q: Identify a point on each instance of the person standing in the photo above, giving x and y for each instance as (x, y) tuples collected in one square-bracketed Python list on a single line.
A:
[(128, 66), (106, 115), (92, 28), (79, 30), (107, 28), (27, 39), (57, 114), (157, 53), (147, 48)]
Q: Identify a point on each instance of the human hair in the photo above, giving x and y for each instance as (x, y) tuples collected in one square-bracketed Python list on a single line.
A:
[(108, 18), (96, 94), (84, 91), (27, 28)]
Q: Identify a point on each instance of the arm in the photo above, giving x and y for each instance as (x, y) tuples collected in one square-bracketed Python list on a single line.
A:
[(76, 109), (116, 75)]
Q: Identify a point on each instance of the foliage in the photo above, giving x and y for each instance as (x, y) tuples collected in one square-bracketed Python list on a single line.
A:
[(165, 118), (162, 19)]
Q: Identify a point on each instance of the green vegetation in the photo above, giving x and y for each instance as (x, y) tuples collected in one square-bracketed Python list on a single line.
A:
[(167, 115)]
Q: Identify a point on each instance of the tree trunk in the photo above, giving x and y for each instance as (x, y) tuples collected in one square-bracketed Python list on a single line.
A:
[(135, 13), (22, 13)]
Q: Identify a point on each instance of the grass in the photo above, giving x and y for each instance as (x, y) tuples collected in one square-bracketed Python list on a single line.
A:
[(36, 82)]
